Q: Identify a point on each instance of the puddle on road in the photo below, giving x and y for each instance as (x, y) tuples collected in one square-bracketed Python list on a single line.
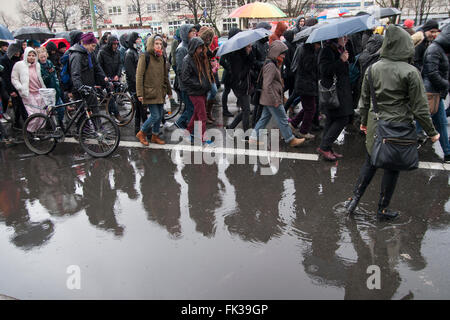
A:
[(142, 226)]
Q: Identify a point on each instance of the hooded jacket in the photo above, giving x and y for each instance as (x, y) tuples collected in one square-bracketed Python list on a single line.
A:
[(75, 37), (54, 56), (20, 77), (131, 61), (50, 78), (7, 61), (182, 50), (272, 93), (278, 33), (399, 90), (240, 66), (371, 53), (81, 72), (109, 60), (123, 41), (193, 86), (330, 65), (152, 81), (175, 42), (436, 65)]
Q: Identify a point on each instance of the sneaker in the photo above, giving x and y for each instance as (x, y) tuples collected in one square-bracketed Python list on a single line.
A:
[(386, 214), (447, 158), (6, 117), (3, 120), (307, 136)]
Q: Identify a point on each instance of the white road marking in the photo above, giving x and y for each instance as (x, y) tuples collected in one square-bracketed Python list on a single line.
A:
[(250, 152)]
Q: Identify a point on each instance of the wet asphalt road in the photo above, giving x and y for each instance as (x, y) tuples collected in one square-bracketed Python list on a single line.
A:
[(141, 226)]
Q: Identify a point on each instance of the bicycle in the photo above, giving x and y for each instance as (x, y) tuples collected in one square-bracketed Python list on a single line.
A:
[(124, 103), (98, 134)]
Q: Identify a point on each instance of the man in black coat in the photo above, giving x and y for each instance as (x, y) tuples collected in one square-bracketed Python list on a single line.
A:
[(430, 30), (84, 68), (109, 60), (130, 62), (7, 61)]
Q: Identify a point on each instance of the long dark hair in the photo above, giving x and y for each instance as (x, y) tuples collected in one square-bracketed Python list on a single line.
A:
[(203, 66)]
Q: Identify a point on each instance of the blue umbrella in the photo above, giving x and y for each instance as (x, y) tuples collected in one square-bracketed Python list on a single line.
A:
[(342, 28), (5, 34), (241, 40)]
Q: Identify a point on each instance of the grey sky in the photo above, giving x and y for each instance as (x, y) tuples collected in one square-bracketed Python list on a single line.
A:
[(10, 7)]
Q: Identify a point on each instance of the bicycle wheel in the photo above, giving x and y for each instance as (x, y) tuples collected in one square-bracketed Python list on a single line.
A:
[(99, 135), (125, 106), (38, 133), (172, 110)]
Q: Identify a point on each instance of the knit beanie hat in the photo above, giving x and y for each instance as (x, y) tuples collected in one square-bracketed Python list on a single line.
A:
[(430, 24), (88, 38)]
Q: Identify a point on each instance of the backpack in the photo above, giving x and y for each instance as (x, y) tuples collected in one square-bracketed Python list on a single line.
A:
[(296, 58), (66, 81), (354, 71)]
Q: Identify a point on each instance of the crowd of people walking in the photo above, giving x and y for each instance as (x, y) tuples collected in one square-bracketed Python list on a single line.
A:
[(408, 69)]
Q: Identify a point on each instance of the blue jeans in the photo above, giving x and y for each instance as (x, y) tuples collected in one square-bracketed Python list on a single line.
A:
[(183, 121), (440, 123), (154, 121), (212, 93), (280, 116)]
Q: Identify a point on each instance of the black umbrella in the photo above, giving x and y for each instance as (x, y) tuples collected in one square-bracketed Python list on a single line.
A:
[(63, 34), (385, 12), (33, 33)]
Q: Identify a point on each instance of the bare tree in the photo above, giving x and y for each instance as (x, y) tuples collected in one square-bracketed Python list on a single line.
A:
[(293, 8), (6, 20), (138, 7), (85, 9), (42, 11)]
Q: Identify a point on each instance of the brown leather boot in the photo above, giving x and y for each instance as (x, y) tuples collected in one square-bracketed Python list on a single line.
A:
[(209, 106), (157, 140), (142, 138)]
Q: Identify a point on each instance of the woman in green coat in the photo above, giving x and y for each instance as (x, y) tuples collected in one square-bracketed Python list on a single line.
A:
[(400, 97)]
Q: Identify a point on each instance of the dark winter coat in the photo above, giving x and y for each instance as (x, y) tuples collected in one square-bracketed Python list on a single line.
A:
[(123, 40), (182, 50), (398, 87), (330, 65), (193, 86), (152, 81), (420, 53), (54, 56), (50, 78), (225, 61), (371, 53), (288, 75), (436, 65), (273, 87), (241, 74), (109, 60), (81, 72), (131, 62), (7, 61), (260, 50), (306, 75)]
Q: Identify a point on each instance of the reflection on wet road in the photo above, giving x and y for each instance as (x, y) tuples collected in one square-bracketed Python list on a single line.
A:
[(140, 226)]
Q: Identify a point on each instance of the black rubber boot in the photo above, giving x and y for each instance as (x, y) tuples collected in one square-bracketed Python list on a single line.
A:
[(386, 214), (353, 203)]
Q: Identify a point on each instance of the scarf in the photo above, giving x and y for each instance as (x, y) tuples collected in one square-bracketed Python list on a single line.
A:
[(91, 65)]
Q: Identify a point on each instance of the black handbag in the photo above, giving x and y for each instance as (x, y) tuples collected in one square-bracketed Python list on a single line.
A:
[(395, 144), (328, 97)]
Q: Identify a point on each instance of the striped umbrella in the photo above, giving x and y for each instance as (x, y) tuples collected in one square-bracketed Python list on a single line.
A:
[(258, 10)]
